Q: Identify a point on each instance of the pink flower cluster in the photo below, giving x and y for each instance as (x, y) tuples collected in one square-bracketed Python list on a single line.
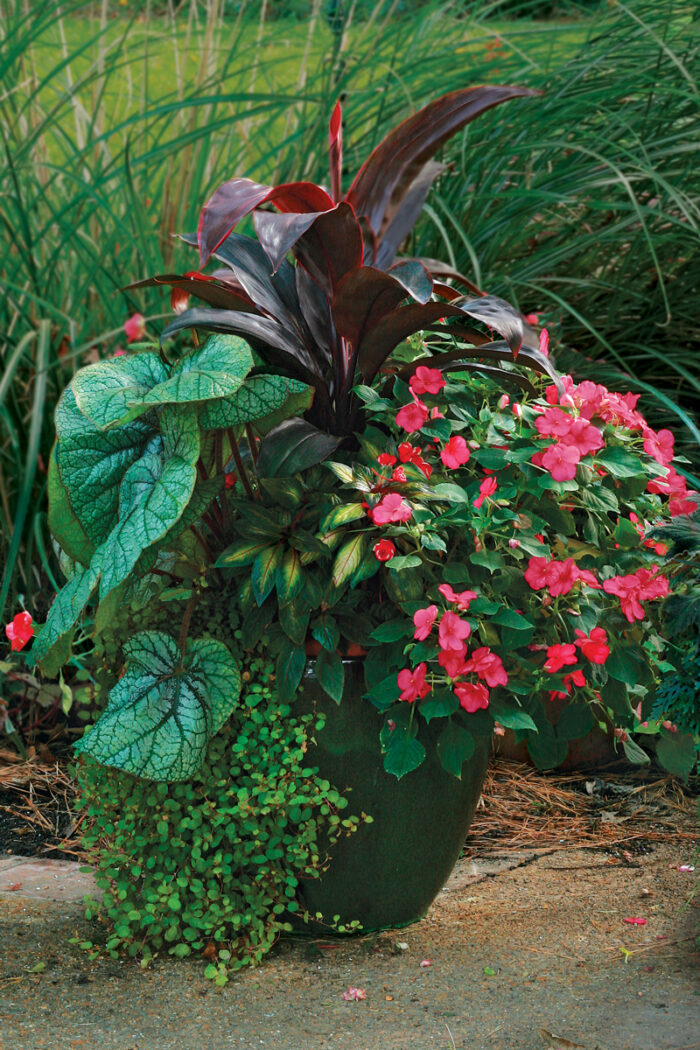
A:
[(558, 577), (634, 588), (592, 399), (452, 634), (593, 646), (576, 438)]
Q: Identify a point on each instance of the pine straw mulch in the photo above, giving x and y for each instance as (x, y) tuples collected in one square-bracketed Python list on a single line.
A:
[(520, 807)]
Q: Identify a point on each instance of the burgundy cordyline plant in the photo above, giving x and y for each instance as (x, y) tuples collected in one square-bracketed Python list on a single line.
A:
[(334, 318)]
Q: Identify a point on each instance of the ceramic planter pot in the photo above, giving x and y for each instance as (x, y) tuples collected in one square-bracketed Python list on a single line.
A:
[(389, 872)]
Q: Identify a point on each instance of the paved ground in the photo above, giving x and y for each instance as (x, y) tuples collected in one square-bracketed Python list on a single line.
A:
[(525, 953)]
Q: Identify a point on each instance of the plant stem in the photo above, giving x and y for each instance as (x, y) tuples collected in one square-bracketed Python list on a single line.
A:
[(189, 609), (203, 543), (250, 434), (239, 463)]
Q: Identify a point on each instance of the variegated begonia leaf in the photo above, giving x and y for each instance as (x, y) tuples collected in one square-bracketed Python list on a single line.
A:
[(165, 708)]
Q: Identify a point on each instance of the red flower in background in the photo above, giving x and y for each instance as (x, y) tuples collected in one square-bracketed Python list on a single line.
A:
[(560, 655), (135, 328), (19, 631), (455, 453), (487, 488)]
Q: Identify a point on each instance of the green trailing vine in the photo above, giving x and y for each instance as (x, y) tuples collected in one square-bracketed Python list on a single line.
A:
[(212, 866)]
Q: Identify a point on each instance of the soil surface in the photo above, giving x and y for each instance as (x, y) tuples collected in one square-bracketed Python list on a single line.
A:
[(521, 952)]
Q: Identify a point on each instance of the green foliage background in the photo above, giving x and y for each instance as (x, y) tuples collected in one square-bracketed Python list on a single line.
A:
[(117, 125)]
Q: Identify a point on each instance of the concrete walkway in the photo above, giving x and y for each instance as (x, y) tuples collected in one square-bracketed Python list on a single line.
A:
[(522, 952)]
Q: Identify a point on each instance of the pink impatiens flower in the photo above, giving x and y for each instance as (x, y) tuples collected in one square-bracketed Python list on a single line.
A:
[(385, 459), (412, 417), (391, 508), (561, 576), (486, 489), (544, 342), (19, 631), (135, 328), (561, 461), (452, 631), (452, 661), (412, 683), (560, 655), (584, 437), (455, 453), (424, 620), (473, 696), (426, 381), (488, 666), (594, 646), (461, 599), (535, 574)]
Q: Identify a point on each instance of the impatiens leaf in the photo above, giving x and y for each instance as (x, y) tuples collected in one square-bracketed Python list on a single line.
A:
[(329, 671), (165, 708), (289, 579), (292, 446), (290, 668), (259, 397), (439, 704), (403, 753), (512, 717), (455, 745), (348, 559), (677, 753), (264, 571), (243, 552), (575, 721)]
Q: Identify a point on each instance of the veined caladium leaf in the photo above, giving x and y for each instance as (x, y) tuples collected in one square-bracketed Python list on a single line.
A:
[(153, 496), (92, 463), (259, 397), (63, 521), (107, 391), (215, 370), (63, 614), (165, 709)]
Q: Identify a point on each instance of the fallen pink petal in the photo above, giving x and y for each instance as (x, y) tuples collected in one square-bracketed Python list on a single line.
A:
[(353, 995), (426, 962), (635, 922)]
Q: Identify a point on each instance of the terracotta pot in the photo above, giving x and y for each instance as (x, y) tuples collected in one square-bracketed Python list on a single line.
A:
[(593, 751), (388, 873)]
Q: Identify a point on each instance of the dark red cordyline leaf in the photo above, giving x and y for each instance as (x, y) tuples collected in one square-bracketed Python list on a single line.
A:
[(278, 233), (331, 247), (384, 180), (362, 298), (497, 351), (395, 327), (205, 288), (414, 277), (335, 151), (446, 291), (315, 310), (436, 268), (398, 227), (238, 197), (265, 334)]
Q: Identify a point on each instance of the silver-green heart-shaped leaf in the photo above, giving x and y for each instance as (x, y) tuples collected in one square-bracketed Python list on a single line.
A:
[(165, 708)]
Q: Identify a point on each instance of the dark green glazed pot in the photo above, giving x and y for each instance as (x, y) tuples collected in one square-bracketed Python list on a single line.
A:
[(389, 872)]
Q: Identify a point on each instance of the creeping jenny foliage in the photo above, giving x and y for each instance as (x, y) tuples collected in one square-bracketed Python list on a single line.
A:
[(213, 865)]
